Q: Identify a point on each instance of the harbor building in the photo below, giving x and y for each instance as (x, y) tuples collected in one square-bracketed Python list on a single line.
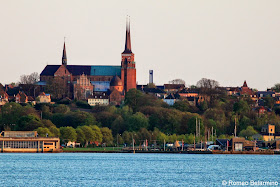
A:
[(27, 141)]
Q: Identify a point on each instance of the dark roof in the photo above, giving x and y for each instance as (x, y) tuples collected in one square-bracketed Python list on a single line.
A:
[(188, 91), (79, 70), (87, 70), (153, 90), (170, 96), (160, 87), (222, 142), (116, 81), (13, 91), (102, 95), (173, 86), (50, 70)]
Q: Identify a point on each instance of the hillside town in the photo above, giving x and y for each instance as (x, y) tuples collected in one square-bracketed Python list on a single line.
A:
[(102, 105)]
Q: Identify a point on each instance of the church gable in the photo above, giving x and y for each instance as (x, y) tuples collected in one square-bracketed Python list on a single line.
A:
[(62, 71)]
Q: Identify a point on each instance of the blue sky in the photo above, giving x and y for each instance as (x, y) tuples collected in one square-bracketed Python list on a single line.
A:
[(229, 41)]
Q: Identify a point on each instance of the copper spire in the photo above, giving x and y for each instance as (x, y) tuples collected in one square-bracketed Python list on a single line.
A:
[(127, 48), (64, 57)]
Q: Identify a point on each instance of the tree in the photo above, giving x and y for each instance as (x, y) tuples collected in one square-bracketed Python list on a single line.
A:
[(68, 134), (132, 99), (44, 132), (137, 121), (151, 85), (207, 84), (107, 135), (183, 106), (208, 87), (88, 133), (61, 109), (250, 131), (106, 118), (269, 101), (29, 79), (81, 138), (177, 81), (29, 122), (11, 113), (127, 137), (118, 126), (276, 87), (57, 87), (97, 133), (118, 139), (241, 107), (55, 131)]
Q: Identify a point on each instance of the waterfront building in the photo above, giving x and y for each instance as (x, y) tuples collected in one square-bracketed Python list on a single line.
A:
[(27, 141)]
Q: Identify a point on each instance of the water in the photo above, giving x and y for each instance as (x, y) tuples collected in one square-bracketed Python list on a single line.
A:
[(105, 169)]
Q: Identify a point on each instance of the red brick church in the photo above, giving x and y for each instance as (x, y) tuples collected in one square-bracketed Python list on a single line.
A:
[(82, 81)]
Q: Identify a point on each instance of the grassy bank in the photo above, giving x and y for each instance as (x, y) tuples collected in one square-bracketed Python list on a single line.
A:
[(93, 149)]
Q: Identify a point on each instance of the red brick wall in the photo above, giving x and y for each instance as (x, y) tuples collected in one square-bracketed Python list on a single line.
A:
[(131, 71)]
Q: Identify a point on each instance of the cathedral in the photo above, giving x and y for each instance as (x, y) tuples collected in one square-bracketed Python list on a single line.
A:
[(83, 81)]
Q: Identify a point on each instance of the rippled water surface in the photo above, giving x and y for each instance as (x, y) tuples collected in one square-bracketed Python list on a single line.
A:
[(105, 169)]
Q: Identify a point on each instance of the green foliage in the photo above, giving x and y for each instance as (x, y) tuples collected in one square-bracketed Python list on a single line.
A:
[(11, 113), (68, 134), (81, 138), (136, 99), (269, 101), (118, 126), (44, 132), (248, 132), (29, 122), (87, 134), (55, 131), (97, 133), (107, 135), (183, 106), (61, 109), (83, 104), (137, 121), (106, 118), (241, 107)]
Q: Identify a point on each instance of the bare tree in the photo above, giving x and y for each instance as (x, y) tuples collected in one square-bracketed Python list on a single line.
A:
[(177, 81), (207, 83), (208, 88), (29, 79)]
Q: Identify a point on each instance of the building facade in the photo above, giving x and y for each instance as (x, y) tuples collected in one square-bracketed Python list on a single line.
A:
[(79, 80), (27, 141)]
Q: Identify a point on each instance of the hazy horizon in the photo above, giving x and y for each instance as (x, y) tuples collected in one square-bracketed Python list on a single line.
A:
[(228, 41)]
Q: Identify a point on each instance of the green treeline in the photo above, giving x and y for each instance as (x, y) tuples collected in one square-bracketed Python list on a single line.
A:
[(142, 116)]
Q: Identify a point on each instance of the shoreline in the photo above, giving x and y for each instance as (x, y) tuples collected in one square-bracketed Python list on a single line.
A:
[(182, 152)]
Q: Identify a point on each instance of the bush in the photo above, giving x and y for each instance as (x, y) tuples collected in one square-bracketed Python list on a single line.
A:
[(83, 104)]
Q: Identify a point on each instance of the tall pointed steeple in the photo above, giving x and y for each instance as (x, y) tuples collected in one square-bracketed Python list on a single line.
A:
[(128, 70), (64, 57), (127, 48)]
